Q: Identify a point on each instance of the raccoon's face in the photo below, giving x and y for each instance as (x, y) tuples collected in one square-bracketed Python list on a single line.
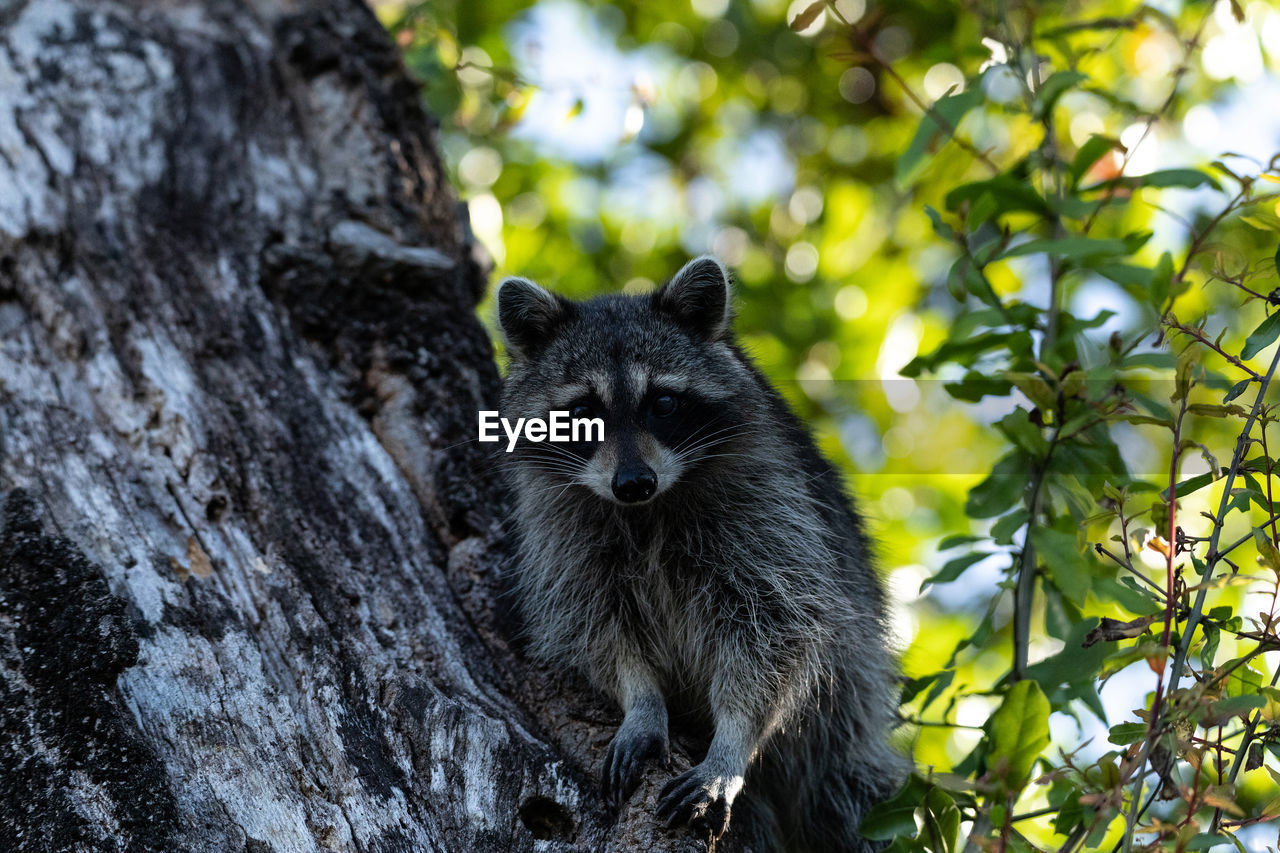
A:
[(658, 370)]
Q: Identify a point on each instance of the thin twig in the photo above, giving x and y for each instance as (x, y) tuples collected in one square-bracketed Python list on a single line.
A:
[(1213, 556), (1178, 74), (867, 44), (1193, 332), (1129, 567), (1153, 723)]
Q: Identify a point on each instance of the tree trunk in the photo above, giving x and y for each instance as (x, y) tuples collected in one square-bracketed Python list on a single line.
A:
[(249, 553)]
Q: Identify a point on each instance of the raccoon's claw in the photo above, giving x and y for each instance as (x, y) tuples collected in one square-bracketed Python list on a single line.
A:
[(697, 798), (625, 761)]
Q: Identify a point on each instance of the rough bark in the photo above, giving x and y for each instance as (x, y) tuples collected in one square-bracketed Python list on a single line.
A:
[(249, 548)]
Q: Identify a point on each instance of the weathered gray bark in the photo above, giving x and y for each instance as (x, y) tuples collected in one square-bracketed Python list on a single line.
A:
[(248, 553)]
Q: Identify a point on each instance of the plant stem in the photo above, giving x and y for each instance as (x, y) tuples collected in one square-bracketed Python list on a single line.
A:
[(1025, 585), (1192, 331), (1153, 723), (1242, 753), (1212, 557)]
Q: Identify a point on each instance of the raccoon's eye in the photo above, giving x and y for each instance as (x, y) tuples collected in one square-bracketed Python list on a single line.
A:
[(580, 410), (664, 405)]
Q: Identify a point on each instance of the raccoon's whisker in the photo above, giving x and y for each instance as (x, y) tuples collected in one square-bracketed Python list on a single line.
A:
[(549, 457), (557, 487), (734, 430), (545, 462), (552, 450), (697, 434), (548, 450), (556, 462), (724, 456), (558, 475), (550, 469), (566, 487), (719, 456), (693, 435), (687, 452), (726, 434), (540, 459)]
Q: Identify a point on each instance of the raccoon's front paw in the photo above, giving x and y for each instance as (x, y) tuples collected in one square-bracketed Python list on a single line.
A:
[(629, 753), (700, 797)]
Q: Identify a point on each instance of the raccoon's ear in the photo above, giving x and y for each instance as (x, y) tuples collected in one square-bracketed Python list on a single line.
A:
[(698, 298), (528, 315)]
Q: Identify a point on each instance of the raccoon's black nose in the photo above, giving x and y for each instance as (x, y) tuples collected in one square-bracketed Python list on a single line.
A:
[(634, 484)]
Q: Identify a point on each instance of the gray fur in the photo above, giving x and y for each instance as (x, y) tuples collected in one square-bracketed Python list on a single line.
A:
[(741, 595)]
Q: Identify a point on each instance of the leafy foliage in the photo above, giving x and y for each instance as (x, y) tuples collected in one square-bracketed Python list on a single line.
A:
[(1074, 356)]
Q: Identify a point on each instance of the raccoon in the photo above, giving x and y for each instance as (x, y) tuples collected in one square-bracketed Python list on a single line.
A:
[(702, 560)]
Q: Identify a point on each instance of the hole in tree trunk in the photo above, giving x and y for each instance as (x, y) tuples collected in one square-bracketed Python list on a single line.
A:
[(546, 819)]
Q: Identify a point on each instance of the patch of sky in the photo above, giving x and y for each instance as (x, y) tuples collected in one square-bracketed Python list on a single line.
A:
[(596, 103)]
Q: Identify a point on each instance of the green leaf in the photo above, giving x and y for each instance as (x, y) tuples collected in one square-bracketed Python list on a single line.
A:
[(1019, 731), (1192, 484), (1073, 248), (1018, 428), (1002, 531), (1130, 275), (1214, 410), (1127, 733), (1212, 637), (1135, 240), (1236, 390), (1071, 571), (896, 815), (1161, 281), (1091, 152), (1243, 680), (1267, 553), (1007, 192), (963, 351), (914, 685), (950, 109), (953, 569), (1054, 87), (940, 228), (939, 686), (958, 539), (1070, 814), (1128, 594), (1262, 336), (941, 821), (906, 844), (1036, 389), (964, 278), (1075, 663), (981, 211), (974, 386), (1153, 360), (1236, 705), (1147, 419), (1001, 490), (1186, 178)]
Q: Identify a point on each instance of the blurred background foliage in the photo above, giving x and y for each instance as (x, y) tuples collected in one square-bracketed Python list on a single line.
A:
[(878, 175)]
